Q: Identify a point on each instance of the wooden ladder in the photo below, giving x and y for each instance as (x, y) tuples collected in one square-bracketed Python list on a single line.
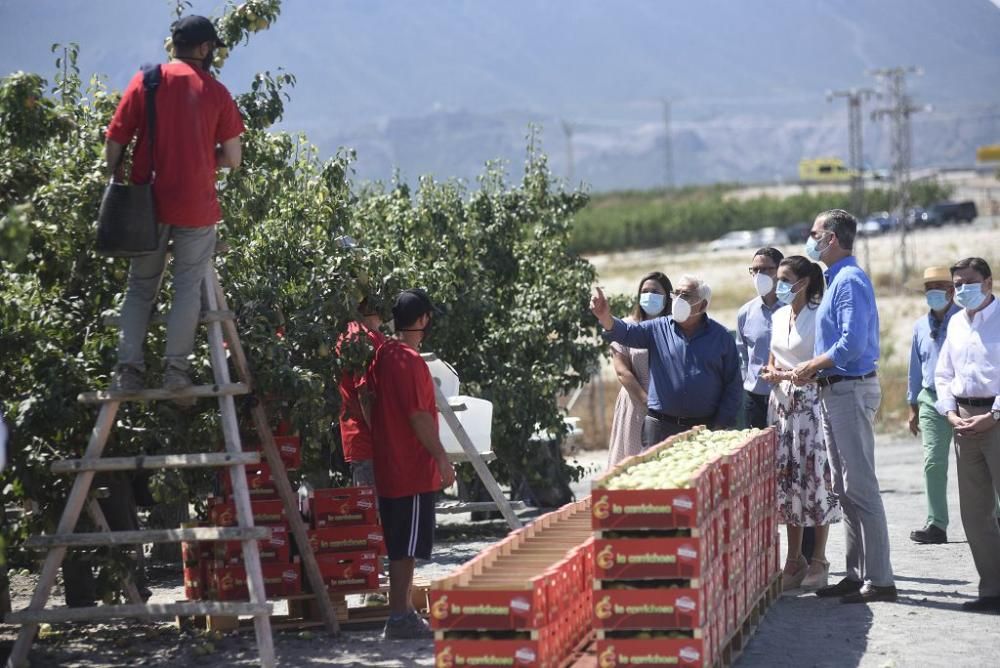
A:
[(221, 327)]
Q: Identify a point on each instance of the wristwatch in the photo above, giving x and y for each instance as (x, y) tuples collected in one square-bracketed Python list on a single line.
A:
[(996, 416)]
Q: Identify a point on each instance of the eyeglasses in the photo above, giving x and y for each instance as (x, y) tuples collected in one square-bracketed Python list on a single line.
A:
[(756, 270), (686, 296)]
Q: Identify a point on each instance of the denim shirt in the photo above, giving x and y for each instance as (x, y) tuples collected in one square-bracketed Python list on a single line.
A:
[(688, 377), (753, 329), (847, 321)]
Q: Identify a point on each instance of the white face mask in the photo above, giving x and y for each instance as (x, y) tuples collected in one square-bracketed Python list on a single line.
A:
[(682, 310), (763, 283)]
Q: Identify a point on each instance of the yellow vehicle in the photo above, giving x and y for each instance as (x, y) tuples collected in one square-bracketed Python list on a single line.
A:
[(988, 153), (813, 170)]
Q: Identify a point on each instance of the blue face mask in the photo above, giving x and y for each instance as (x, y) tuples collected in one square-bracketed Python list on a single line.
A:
[(937, 299), (652, 303), (970, 296), (813, 251), (783, 291)]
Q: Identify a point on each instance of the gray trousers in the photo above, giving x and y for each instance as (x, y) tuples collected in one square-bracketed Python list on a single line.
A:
[(848, 409), (978, 482), (655, 431), (193, 248)]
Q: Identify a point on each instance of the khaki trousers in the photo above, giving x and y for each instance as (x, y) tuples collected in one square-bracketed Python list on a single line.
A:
[(978, 484)]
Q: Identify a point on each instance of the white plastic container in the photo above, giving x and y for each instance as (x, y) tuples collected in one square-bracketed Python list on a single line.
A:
[(444, 375), (477, 419)]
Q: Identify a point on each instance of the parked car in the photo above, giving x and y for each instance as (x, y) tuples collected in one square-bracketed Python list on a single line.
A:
[(916, 217), (735, 240), (870, 228), (772, 236), (952, 212), (798, 233)]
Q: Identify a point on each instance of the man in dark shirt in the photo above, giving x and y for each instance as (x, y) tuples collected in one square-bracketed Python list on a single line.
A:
[(694, 365)]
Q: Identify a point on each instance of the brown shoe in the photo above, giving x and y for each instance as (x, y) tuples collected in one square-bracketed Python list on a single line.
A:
[(870, 593), (842, 588)]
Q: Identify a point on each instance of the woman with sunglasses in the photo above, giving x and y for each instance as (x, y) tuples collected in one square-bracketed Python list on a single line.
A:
[(805, 486), (632, 368)]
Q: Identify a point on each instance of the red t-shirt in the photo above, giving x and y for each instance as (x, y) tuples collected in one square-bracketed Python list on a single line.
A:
[(194, 113), (403, 386), (354, 431)]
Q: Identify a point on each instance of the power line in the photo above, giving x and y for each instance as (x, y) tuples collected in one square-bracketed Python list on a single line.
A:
[(898, 112), (855, 97)]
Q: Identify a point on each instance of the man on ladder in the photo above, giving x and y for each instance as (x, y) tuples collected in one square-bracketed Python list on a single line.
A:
[(198, 131)]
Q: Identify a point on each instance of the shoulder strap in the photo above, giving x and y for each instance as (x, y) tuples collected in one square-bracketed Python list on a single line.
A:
[(151, 75)]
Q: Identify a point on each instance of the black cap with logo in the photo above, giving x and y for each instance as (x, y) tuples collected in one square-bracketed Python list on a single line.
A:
[(194, 30)]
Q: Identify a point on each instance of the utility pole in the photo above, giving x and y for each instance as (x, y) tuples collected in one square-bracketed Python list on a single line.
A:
[(855, 96), (568, 131), (668, 147), (898, 112)]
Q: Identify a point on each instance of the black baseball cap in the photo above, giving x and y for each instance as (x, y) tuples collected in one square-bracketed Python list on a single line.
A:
[(411, 304), (194, 30)]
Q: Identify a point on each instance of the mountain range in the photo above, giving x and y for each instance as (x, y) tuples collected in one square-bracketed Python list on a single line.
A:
[(442, 86)]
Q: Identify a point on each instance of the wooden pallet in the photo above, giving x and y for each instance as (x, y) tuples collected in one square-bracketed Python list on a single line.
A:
[(737, 641), (304, 613)]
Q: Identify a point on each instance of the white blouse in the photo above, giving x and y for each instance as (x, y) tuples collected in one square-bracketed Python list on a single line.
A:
[(792, 343)]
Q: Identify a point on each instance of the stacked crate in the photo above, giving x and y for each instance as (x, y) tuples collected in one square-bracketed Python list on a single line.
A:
[(676, 569), (525, 601), (214, 570), (346, 537)]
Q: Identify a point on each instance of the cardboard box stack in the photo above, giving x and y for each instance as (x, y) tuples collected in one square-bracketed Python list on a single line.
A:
[(346, 537), (678, 558), (525, 601)]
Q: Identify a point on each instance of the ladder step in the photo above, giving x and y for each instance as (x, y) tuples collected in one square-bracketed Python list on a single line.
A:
[(159, 318), (195, 391), (156, 462), (454, 507), (136, 611), (148, 536)]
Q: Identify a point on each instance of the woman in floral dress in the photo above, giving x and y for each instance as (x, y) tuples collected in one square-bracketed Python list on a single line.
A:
[(632, 368), (805, 488)]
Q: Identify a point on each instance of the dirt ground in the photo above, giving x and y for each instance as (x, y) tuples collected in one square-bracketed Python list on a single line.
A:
[(924, 629)]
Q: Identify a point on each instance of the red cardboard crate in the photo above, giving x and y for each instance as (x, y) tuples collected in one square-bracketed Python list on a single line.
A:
[(488, 608), (651, 608), (289, 449), (344, 506), (276, 548), (279, 580), (363, 537), (692, 652), (650, 508), (349, 571), (194, 587), (650, 558), (265, 512), (516, 653), (259, 481)]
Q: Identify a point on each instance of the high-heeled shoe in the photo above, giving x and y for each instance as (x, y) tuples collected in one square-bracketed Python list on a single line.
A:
[(791, 581), (814, 581)]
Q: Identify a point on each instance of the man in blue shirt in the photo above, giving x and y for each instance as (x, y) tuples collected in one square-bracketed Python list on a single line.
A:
[(753, 335), (694, 367), (845, 368), (928, 335)]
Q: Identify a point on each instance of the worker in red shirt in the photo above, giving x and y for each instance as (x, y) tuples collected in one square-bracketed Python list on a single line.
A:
[(410, 463), (355, 397), (197, 131)]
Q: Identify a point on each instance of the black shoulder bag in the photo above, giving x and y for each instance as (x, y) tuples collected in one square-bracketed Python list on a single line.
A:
[(126, 223)]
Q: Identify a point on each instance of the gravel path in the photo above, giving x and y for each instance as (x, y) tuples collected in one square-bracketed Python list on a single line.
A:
[(923, 630)]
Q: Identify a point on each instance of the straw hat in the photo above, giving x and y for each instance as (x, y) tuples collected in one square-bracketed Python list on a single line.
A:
[(931, 275)]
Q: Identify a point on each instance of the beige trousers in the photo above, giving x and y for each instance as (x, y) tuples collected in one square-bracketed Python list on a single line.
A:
[(978, 484)]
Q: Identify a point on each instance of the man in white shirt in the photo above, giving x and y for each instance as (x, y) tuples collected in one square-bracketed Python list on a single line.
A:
[(967, 378)]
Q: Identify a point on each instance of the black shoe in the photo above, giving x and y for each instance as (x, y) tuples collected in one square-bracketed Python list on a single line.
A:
[(842, 588), (931, 534), (870, 593), (983, 604)]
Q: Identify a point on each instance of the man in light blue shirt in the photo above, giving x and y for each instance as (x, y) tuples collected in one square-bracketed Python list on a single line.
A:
[(694, 367), (845, 367), (928, 335), (753, 335)]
